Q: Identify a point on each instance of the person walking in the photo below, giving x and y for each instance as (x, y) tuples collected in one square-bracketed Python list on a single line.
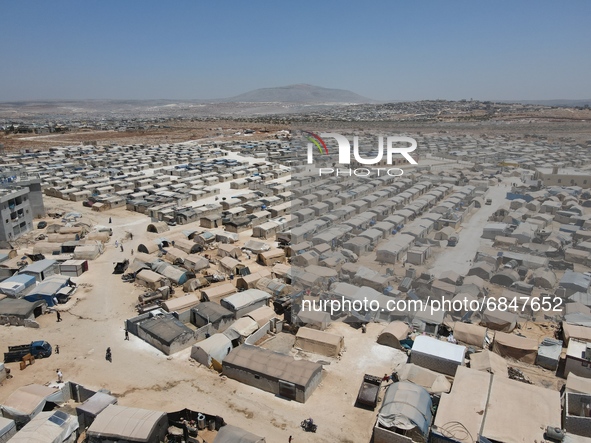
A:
[(126, 334), (59, 316), (116, 243), (108, 355), (109, 219), (131, 235), (121, 247), (290, 439), (131, 251), (60, 376)]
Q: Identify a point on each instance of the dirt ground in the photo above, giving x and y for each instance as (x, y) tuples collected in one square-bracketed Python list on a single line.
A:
[(142, 376)]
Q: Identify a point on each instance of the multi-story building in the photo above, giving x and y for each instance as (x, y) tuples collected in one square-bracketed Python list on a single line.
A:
[(19, 203)]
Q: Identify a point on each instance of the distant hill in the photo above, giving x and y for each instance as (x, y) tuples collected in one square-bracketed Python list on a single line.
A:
[(300, 94), (557, 102)]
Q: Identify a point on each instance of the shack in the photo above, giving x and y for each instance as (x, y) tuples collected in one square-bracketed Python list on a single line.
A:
[(273, 372), (212, 351), (211, 313), (41, 269)]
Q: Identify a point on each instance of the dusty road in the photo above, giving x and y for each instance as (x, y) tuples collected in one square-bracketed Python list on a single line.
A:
[(458, 258)]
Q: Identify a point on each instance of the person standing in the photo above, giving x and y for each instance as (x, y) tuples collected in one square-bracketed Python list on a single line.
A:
[(121, 247), (57, 349), (126, 334), (290, 439), (109, 219), (108, 355), (59, 376), (59, 316)]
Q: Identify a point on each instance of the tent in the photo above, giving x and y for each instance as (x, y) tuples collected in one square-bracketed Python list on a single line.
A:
[(27, 401), (319, 342), (92, 407), (393, 333), (489, 362), (498, 320), (232, 434), (128, 424), (7, 429), (212, 348), (470, 334), (158, 227), (575, 331), (433, 382), (406, 410), (262, 315), (519, 348), (48, 427)]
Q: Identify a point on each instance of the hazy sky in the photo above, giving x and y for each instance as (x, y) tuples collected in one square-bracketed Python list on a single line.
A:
[(390, 50)]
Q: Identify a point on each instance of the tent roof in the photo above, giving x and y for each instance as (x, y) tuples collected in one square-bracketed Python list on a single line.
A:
[(273, 364), (246, 298), (47, 427), (232, 434), (489, 362), (97, 403), (319, 336), (405, 406), (27, 398), (212, 310), (120, 422)]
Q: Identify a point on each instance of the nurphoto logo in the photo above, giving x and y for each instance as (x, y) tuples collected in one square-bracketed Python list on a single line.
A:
[(394, 145)]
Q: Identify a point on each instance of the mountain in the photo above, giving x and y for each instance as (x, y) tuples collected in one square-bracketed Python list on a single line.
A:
[(300, 94)]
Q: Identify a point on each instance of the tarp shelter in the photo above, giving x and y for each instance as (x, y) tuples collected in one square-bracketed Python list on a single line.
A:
[(575, 331), (229, 264), (225, 250), (498, 320), (549, 352), (180, 304), (576, 383), (195, 283), (48, 427), (437, 355), (88, 251), (151, 279), (232, 434), (433, 382), (244, 302), (319, 342), (316, 319), (17, 285), (513, 346), (273, 372), (121, 423), (195, 262), (27, 401), (242, 328), (92, 407), (7, 429), (173, 273), (16, 311), (212, 348), (147, 248), (496, 408), (489, 362), (406, 410), (393, 333), (470, 334), (158, 227), (262, 315)]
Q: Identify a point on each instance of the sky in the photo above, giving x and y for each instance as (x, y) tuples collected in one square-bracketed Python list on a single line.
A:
[(384, 50)]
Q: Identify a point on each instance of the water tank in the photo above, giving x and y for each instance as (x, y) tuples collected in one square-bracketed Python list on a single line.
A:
[(554, 433), (211, 425), (201, 421)]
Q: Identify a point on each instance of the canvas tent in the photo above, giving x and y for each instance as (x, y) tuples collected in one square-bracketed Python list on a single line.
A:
[(319, 342), (488, 361), (498, 320), (513, 346), (7, 429), (244, 302), (48, 427), (393, 333), (433, 382), (496, 408), (92, 407), (470, 334), (232, 434), (406, 410), (125, 424), (212, 348), (27, 401)]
